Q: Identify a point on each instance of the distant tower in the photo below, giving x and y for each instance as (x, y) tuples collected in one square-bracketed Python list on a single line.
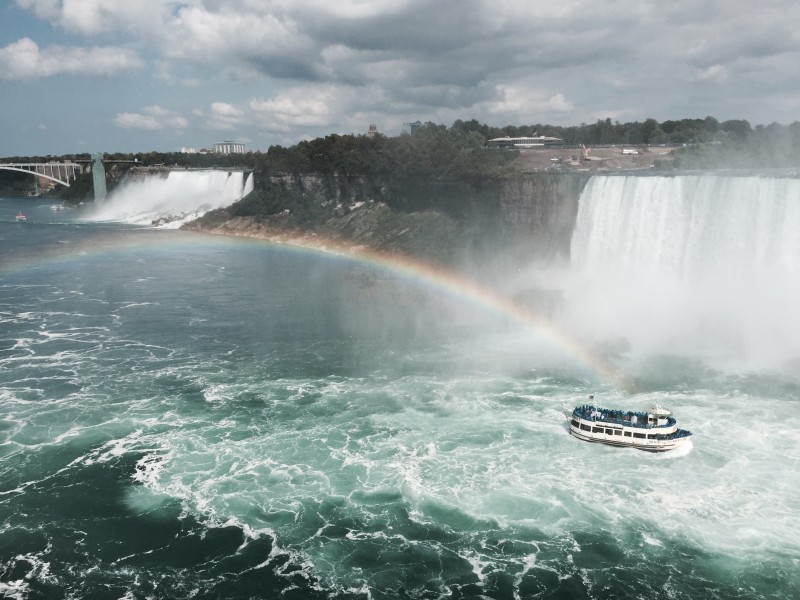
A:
[(372, 131)]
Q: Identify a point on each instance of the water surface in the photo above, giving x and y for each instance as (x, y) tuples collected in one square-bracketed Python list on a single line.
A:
[(195, 417)]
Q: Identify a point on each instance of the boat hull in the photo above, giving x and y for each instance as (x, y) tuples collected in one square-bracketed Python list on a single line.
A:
[(644, 431), (646, 445)]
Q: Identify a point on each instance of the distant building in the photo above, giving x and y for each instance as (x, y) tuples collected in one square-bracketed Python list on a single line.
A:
[(524, 142), (188, 151), (411, 128), (372, 131), (228, 147)]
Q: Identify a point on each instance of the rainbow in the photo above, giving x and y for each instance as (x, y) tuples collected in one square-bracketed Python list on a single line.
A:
[(454, 284), (426, 274)]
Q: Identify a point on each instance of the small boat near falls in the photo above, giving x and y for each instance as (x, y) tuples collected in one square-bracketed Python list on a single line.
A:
[(654, 431)]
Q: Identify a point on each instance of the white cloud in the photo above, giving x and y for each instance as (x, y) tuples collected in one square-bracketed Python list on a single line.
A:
[(302, 106), (349, 9), (304, 68), (155, 111), (137, 121), (522, 102), (24, 59), (176, 122), (152, 118), (225, 116), (717, 73), (44, 9), (249, 40), (163, 71), (96, 17), (560, 103)]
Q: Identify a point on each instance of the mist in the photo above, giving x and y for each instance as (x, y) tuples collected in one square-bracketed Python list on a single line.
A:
[(700, 265), (172, 201), (697, 265)]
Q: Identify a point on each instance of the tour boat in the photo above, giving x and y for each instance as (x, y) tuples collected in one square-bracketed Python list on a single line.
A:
[(21, 217), (654, 431)]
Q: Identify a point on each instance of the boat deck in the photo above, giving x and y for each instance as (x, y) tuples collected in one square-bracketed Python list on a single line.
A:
[(628, 418)]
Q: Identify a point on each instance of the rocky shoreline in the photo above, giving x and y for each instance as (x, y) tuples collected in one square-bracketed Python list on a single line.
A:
[(369, 227), (250, 227)]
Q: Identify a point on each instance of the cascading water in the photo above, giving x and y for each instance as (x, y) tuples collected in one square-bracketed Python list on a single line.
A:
[(170, 202), (690, 263)]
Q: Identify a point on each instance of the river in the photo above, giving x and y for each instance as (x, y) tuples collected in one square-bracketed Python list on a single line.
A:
[(190, 416)]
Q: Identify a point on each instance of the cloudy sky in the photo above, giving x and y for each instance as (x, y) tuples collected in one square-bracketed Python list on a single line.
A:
[(119, 75)]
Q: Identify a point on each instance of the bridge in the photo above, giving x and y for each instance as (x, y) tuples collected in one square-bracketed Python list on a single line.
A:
[(61, 173), (65, 172)]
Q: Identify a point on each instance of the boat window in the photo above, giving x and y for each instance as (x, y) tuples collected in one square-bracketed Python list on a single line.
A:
[(597, 430), (627, 434), (639, 435), (574, 423), (585, 427), (617, 432)]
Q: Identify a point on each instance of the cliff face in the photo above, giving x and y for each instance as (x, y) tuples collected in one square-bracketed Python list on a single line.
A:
[(538, 213), (518, 219)]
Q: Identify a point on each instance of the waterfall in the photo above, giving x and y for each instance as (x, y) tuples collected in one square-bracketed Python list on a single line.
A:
[(174, 200), (689, 263), (689, 226), (248, 185)]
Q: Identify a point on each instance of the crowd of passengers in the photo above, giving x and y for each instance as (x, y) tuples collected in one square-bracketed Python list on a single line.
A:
[(621, 417)]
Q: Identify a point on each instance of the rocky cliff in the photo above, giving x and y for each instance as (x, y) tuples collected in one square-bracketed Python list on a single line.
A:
[(516, 220)]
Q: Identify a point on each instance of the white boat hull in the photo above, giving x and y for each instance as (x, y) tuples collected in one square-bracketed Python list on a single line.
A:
[(647, 445), (650, 439)]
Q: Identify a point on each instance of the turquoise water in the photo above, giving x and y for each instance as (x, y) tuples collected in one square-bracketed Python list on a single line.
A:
[(193, 417)]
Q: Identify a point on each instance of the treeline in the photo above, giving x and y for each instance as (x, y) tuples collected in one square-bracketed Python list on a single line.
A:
[(606, 132), (433, 151), (460, 150)]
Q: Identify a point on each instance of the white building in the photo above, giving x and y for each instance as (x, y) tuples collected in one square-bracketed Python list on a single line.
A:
[(524, 142), (228, 147)]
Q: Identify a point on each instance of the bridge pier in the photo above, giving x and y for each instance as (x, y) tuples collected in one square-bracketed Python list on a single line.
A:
[(98, 177)]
